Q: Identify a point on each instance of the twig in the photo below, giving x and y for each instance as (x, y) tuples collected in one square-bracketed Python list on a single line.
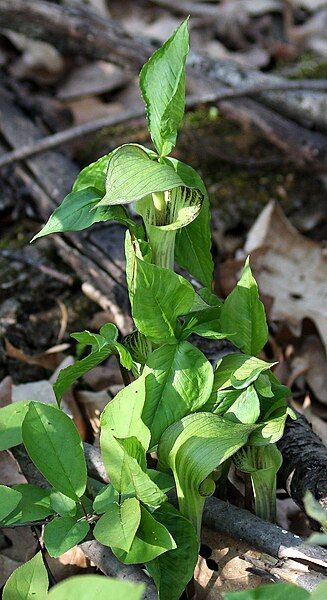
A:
[(106, 561), (16, 256), (63, 137)]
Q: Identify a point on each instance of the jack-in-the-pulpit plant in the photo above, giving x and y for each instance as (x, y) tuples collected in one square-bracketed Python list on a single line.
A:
[(179, 423)]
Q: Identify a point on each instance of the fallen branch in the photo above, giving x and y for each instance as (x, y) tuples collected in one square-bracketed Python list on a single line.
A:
[(219, 516), (63, 137), (77, 30), (304, 462), (106, 561)]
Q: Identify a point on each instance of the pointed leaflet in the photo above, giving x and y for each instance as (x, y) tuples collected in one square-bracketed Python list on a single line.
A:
[(88, 587), (79, 210), (134, 466), (8, 500), (55, 447), (238, 371), (178, 380), (11, 418), (118, 526), (162, 83), (63, 533), (151, 539), (70, 374), (193, 447), (173, 570), (244, 314), (122, 418), (160, 297), (104, 499), (246, 408), (34, 505), (103, 345), (132, 175), (63, 505), (28, 582), (94, 175)]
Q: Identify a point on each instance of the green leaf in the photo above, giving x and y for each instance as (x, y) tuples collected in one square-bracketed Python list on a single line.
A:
[(319, 539), (263, 386), (178, 380), (87, 587), (246, 408), (272, 428), (9, 499), (28, 582), (244, 314), (276, 591), (79, 210), (132, 175), (105, 497), (63, 505), (162, 83), (118, 526), (193, 247), (320, 592), (151, 539), (238, 371), (174, 569), (34, 505), (135, 470), (94, 175), (63, 533), (70, 374), (164, 481), (220, 401), (121, 418), (160, 297), (193, 447), (11, 418), (46, 427)]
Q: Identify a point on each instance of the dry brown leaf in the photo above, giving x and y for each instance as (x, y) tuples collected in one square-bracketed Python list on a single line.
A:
[(93, 404), (5, 391), (39, 61), (90, 109), (92, 79), (7, 566), (310, 360), (232, 574), (73, 562), (49, 359), (23, 544), (289, 268), (10, 474)]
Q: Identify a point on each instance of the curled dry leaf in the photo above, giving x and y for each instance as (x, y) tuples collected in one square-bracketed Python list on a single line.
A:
[(50, 359), (289, 268)]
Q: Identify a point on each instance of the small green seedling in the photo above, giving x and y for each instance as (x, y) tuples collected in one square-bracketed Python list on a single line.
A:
[(194, 419)]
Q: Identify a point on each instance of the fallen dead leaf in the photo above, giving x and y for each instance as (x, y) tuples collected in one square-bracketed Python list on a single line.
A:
[(10, 473), (93, 404), (7, 566), (73, 562), (92, 79), (5, 391), (49, 359), (311, 362), (289, 268), (229, 572), (39, 61)]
